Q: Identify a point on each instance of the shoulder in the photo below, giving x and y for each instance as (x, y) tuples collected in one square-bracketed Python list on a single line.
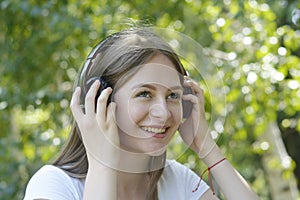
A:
[(174, 166), (178, 182), (50, 182), (177, 172)]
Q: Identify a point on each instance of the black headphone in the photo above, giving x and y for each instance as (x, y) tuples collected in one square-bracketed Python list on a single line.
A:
[(83, 82)]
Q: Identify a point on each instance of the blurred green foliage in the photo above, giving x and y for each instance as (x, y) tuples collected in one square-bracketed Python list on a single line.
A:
[(254, 44)]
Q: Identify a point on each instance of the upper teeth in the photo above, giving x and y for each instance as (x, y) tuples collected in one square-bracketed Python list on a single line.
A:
[(154, 130)]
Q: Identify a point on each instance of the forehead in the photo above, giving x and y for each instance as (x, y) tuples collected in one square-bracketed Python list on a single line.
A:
[(159, 69)]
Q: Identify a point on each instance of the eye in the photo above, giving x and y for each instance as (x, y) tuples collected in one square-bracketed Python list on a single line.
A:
[(174, 95), (144, 94)]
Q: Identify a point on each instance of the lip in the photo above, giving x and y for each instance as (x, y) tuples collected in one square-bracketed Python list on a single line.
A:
[(161, 135), (156, 135), (155, 126)]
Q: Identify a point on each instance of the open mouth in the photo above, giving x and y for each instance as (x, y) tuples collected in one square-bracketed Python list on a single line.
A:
[(156, 132)]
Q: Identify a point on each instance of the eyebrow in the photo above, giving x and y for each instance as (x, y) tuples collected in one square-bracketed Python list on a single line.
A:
[(150, 86)]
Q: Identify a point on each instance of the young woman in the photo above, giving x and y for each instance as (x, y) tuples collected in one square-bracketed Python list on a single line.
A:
[(133, 94)]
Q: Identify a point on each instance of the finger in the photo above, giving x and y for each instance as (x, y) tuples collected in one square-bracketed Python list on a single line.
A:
[(198, 105), (102, 104), (193, 84), (190, 97), (111, 112), (90, 98), (75, 104), (111, 119), (195, 87)]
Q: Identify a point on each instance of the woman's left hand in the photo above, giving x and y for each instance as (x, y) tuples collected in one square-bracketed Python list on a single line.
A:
[(194, 130)]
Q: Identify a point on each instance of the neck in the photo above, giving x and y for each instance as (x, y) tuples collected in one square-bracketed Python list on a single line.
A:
[(133, 173), (132, 185), (132, 180), (132, 162)]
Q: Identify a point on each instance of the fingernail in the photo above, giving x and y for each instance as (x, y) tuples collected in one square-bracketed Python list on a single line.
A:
[(77, 89), (97, 82)]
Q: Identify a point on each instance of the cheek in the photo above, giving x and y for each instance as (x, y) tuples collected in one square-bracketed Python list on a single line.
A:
[(138, 111), (176, 111), (126, 117), (122, 109)]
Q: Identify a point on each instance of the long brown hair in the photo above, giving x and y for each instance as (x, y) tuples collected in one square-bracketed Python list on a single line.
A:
[(118, 57)]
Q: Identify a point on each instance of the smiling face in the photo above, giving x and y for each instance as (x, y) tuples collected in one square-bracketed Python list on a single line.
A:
[(149, 108)]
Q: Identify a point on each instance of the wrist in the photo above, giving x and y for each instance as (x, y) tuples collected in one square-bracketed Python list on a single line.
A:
[(212, 156), (206, 146), (101, 180), (95, 164)]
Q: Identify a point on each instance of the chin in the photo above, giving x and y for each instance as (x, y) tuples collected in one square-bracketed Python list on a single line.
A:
[(157, 152)]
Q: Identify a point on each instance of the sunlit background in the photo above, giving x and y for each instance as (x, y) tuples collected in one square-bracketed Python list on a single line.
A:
[(255, 45)]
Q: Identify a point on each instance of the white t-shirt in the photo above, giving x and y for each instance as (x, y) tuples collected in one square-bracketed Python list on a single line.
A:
[(50, 182)]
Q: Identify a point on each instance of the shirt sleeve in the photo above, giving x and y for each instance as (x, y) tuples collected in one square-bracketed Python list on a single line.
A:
[(50, 182)]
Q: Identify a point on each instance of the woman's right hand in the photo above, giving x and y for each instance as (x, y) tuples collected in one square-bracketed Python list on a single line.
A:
[(99, 131)]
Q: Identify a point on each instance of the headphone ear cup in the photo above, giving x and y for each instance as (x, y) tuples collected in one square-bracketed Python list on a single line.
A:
[(187, 106), (103, 85)]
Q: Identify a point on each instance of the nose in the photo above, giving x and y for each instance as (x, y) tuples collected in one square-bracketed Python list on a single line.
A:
[(160, 110)]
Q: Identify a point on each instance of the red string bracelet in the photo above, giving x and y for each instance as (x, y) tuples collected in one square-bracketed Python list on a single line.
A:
[(209, 176)]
